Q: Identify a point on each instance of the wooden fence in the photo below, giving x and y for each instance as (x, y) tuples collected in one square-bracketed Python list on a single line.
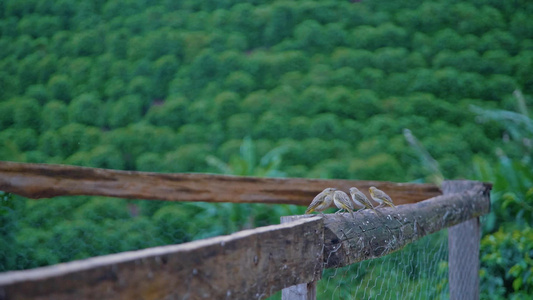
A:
[(250, 264)]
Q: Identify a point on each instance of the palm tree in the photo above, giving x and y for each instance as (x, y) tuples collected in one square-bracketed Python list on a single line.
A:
[(246, 163)]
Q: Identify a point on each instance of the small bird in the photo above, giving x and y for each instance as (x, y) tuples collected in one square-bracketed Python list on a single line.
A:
[(360, 199), (321, 201), (380, 197), (342, 201)]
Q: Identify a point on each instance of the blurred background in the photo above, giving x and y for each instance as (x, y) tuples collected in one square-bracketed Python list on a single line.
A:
[(405, 91)]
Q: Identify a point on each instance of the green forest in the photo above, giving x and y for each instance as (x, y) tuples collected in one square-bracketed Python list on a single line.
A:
[(403, 91)]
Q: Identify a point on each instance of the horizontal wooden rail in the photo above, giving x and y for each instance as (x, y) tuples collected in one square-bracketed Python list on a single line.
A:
[(250, 264), (45, 181), (372, 234)]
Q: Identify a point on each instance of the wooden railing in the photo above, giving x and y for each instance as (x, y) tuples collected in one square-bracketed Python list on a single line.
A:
[(249, 264)]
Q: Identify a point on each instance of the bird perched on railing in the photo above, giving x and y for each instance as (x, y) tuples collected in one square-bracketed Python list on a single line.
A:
[(380, 197), (360, 199), (342, 201), (321, 201)]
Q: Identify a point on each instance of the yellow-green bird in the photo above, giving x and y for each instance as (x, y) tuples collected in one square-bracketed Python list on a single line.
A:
[(321, 201), (380, 197), (360, 199), (342, 201)]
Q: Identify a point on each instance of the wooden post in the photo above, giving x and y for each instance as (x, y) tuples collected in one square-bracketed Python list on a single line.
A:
[(463, 245), (303, 291)]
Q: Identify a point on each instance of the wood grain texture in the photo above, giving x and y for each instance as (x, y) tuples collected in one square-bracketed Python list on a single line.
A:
[(250, 264), (371, 234), (463, 249), (45, 181)]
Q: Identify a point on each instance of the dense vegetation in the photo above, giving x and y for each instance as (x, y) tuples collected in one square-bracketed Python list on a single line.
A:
[(326, 86)]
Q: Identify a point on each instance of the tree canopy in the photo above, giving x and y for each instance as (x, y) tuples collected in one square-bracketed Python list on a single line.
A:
[(162, 85)]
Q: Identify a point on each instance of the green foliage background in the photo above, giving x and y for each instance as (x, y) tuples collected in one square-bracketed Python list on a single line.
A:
[(234, 87)]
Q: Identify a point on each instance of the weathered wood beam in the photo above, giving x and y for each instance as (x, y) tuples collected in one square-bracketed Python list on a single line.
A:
[(250, 264), (45, 181), (372, 234)]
